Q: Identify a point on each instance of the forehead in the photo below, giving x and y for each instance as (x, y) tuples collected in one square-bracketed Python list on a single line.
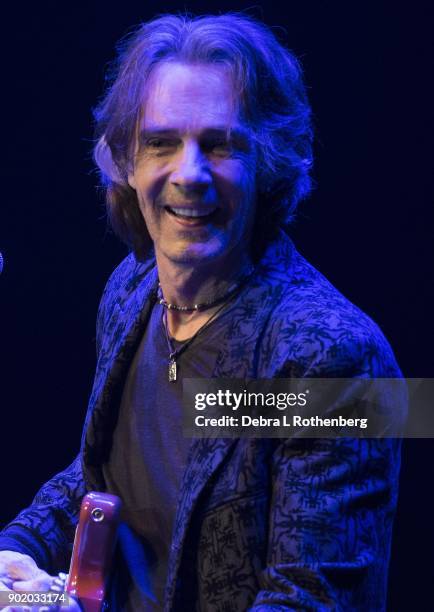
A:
[(189, 98)]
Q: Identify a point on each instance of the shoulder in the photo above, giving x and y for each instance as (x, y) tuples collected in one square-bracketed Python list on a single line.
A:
[(320, 332), (127, 275), (122, 283)]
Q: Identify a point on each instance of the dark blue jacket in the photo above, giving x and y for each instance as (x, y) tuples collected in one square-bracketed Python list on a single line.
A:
[(262, 524)]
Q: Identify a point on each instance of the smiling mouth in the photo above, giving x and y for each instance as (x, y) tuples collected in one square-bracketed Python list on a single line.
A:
[(196, 215)]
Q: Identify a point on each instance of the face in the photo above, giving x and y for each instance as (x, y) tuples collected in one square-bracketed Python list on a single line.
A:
[(194, 169)]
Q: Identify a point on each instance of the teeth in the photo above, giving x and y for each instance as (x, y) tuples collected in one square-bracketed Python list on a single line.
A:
[(191, 212)]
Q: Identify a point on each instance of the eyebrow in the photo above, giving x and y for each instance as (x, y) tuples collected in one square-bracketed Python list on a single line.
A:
[(240, 136)]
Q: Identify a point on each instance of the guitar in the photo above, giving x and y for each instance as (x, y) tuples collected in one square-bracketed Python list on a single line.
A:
[(92, 554)]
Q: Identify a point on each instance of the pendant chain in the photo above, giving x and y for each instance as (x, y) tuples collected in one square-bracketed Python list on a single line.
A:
[(175, 353)]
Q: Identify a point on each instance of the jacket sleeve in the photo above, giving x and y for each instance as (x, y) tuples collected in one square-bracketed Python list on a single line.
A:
[(331, 511), (45, 530)]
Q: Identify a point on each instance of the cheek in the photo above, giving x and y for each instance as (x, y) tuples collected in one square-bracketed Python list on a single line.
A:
[(148, 210), (238, 181), (150, 177)]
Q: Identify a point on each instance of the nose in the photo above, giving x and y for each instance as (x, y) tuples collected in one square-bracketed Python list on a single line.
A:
[(191, 171)]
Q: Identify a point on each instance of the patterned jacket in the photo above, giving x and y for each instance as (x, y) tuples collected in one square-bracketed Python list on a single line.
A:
[(261, 524)]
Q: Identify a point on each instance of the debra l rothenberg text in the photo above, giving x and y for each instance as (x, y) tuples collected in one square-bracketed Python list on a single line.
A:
[(282, 421)]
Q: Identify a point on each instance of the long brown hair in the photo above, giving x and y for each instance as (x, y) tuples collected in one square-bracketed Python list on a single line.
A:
[(268, 83)]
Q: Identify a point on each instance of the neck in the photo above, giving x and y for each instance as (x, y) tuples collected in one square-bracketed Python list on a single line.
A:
[(186, 285)]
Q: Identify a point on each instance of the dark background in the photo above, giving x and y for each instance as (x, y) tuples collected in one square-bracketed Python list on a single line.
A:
[(368, 226)]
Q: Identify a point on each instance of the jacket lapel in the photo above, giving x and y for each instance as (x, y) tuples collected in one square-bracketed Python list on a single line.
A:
[(123, 330)]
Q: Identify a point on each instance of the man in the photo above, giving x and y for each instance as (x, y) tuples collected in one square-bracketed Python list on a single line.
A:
[(205, 148)]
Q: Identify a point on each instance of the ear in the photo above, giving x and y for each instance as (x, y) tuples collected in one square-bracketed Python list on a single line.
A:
[(131, 180)]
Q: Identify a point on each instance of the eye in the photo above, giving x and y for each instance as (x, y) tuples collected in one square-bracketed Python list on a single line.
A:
[(159, 145), (220, 147)]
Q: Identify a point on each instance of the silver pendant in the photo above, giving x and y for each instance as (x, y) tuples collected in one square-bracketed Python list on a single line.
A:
[(172, 370)]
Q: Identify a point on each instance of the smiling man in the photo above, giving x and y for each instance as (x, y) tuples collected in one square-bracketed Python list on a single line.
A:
[(194, 174), (204, 147)]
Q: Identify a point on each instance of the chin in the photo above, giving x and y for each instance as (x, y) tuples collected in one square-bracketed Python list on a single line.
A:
[(196, 253)]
